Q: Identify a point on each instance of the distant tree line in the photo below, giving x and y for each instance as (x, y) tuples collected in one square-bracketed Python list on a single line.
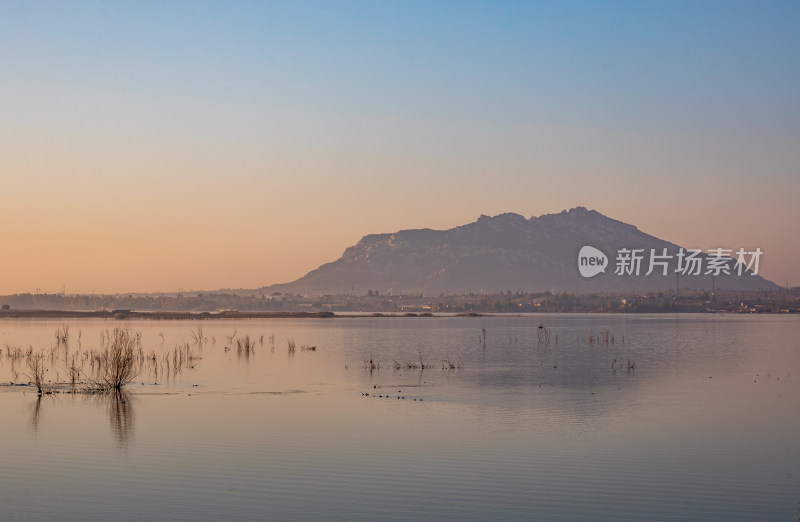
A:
[(784, 300)]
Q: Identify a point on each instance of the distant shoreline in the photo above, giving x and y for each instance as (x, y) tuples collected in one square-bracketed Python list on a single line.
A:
[(222, 305), (157, 315), (186, 316)]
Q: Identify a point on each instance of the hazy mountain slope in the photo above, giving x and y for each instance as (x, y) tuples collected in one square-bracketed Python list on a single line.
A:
[(505, 252)]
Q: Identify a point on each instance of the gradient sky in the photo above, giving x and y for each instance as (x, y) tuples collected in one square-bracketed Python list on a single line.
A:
[(151, 146)]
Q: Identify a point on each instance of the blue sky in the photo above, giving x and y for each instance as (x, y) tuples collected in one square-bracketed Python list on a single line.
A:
[(258, 121)]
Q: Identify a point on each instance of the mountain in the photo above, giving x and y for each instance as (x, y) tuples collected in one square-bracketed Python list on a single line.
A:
[(505, 252)]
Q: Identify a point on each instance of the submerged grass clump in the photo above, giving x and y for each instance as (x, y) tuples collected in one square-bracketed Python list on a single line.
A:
[(419, 364), (629, 365), (448, 364), (245, 346), (604, 337), (62, 334), (197, 335), (120, 363), (409, 364), (543, 335)]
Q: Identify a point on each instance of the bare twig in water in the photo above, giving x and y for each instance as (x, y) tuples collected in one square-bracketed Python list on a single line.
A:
[(62, 334), (197, 335), (36, 366), (245, 346), (543, 335)]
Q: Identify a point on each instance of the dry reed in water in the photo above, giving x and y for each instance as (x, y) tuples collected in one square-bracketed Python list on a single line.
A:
[(120, 363), (36, 366)]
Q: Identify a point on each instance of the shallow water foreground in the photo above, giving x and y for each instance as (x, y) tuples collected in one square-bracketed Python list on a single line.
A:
[(616, 417)]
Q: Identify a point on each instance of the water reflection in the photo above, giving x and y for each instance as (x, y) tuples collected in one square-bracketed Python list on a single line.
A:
[(36, 412), (686, 414), (120, 417), (119, 407)]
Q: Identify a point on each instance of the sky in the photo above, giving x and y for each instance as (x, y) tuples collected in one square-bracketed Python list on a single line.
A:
[(157, 146)]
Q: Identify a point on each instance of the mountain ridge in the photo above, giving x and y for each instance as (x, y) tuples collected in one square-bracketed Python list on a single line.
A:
[(499, 253)]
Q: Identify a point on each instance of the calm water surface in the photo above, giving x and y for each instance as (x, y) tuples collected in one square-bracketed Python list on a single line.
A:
[(706, 426)]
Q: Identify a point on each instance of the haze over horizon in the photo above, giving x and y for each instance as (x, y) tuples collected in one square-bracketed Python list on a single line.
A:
[(151, 147)]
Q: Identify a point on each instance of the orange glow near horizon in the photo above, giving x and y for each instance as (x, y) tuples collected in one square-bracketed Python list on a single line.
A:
[(163, 246), (146, 151)]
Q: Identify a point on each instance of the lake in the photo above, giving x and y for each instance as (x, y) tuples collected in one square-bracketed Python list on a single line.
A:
[(614, 417)]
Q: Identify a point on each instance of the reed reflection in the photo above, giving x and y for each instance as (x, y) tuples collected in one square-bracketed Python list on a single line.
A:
[(119, 408), (36, 412), (120, 417)]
